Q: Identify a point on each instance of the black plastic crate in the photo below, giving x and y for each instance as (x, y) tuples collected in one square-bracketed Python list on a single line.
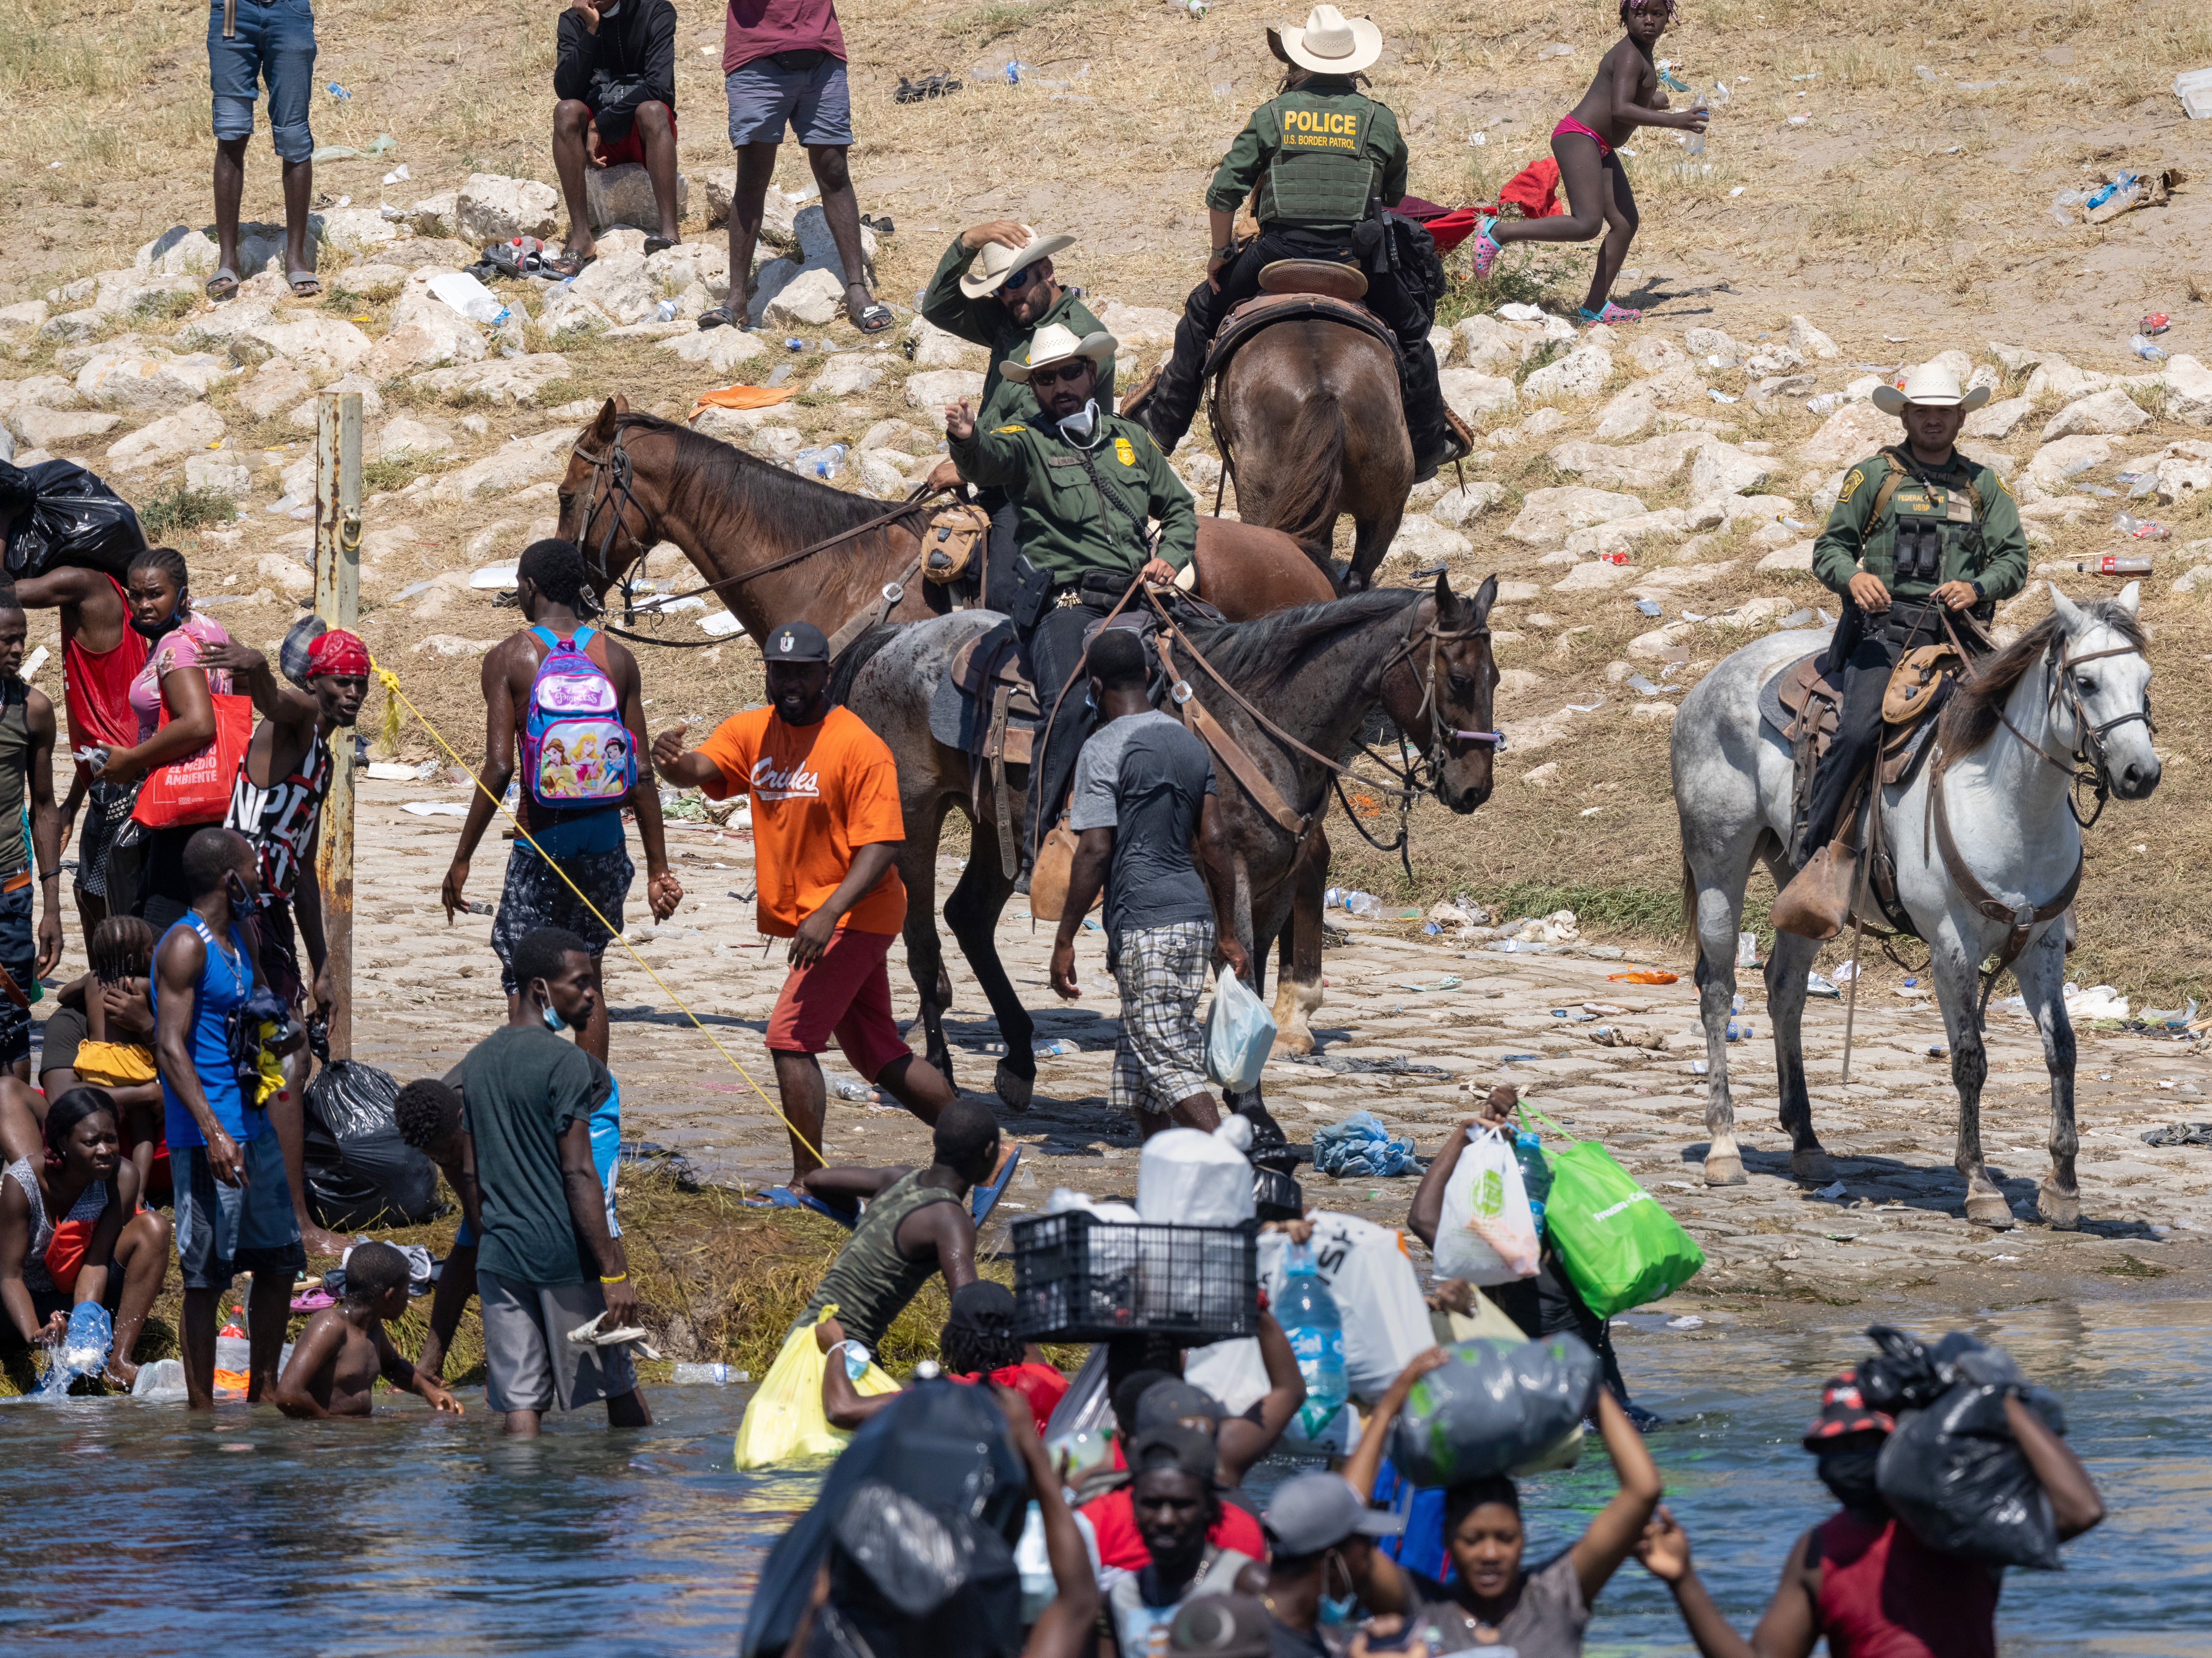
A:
[(1079, 1279)]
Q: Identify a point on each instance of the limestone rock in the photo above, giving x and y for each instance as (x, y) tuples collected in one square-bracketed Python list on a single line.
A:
[(404, 436), (1954, 360), (734, 425), (539, 457), (509, 381), (23, 321), (1774, 360), (1722, 469), (620, 285), (1852, 434), (1425, 542), (2189, 390), (850, 374), (73, 325), (2055, 377), (1627, 535), (179, 251), (566, 312), (141, 383), (934, 348), (877, 474), (778, 442), (1549, 516), (1486, 344), (121, 292), (438, 215), (1457, 506), (930, 392), (1809, 342), (777, 210), (492, 208), (2015, 357), (1628, 412), (1712, 342), (810, 299), (1441, 341), (1650, 355), (2180, 480), (165, 440), (1645, 465), (1581, 374), (1471, 395), (320, 344), (58, 428), (723, 349), (1798, 556), (220, 472), (1785, 386), (818, 250), (1983, 375), (425, 341), (1998, 421), (1593, 577), (356, 229), (2052, 464), (2106, 412), (703, 264), (623, 195), (1136, 327)]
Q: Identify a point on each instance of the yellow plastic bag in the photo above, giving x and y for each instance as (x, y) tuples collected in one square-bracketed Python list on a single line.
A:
[(784, 1420)]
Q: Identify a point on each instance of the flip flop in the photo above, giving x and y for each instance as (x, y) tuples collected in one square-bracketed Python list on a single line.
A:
[(222, 284), (306, 284), (1486, 249), (986, 1197), (657, 244), (782, 1197), (567, 264), (313, 1302), (874, 317), (720, 317)]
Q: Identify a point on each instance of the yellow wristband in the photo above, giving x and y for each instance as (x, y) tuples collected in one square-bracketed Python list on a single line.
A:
[(619, 1278)]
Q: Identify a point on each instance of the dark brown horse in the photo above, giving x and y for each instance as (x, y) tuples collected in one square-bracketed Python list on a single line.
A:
[(1311, 426), (1318, 671), (635, 479)]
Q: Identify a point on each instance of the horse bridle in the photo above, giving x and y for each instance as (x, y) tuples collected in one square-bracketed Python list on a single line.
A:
[(2086, 764), (618, 498)]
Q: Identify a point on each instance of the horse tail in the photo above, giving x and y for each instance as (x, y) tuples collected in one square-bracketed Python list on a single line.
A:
[(857, 656), (1690, 912), (1306, 509)]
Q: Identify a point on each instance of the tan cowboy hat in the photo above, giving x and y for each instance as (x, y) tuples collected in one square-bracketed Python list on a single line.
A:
[(995, 263), (1329, 44), (1932, 387), (1054, 343)]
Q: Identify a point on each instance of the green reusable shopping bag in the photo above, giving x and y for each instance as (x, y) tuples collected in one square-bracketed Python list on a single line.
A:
[(1621, 1246)]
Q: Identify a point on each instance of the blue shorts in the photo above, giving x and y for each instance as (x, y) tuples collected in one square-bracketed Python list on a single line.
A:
[(275, 42), (816, 102), (18, 954), (224, 1229)]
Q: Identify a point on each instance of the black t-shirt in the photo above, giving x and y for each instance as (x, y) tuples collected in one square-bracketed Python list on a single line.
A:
[(521, 1087), (65, 1032), (1146, 779)]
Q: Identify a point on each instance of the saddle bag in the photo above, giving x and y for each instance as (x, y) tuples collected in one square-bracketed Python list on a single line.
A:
[(951, 540), (1917, 683), (1048, 874)]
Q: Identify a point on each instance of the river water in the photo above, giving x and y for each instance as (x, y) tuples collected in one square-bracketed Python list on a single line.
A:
[(131, 1528)]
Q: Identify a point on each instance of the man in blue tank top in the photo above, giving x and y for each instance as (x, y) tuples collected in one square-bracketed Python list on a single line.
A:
[(233, 1208)]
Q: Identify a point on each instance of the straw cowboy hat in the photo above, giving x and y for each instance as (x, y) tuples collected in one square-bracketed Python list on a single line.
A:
[(1932, 387), (996, 263), (1329, 44), (1054, 345)]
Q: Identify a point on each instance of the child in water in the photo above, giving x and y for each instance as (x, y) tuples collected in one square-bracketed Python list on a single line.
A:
[(343, 1349), (1624, 95)]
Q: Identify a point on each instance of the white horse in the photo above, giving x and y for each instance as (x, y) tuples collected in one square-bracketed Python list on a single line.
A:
[(2073, 689)]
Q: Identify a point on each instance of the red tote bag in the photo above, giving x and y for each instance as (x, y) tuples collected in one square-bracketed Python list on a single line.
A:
[(196, 788)]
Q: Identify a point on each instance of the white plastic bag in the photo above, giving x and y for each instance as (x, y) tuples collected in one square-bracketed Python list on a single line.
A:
[(1239, 1031), (1231, 1370), (1486, 1234), (1377, 1295), (465, 295), (1186, 1177)]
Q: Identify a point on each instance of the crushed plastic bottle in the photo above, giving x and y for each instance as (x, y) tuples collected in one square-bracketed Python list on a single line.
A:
[(1309, 1318), (1827, 403), (1746, 955), (2113, 565), (713, 1376), (2138, 529), (337, 91), (2141, 346), (1055, 1050), (823, 463)]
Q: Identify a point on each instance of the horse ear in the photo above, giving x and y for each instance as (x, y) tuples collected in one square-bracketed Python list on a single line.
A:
[(603, 428), (2128, 598), (1484, 596), (2069, 613), (1445, 598)]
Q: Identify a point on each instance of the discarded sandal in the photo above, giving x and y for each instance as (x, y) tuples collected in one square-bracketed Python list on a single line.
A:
[(987, 1195), (592, 1335), (930, 86), (658, 244), (567, 264), (783, 1197)]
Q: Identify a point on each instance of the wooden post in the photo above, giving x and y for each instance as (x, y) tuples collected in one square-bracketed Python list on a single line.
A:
[(337, 602)]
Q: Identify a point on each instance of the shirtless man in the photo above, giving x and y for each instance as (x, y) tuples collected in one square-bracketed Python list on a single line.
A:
[(344, 1349), (1624, 95)]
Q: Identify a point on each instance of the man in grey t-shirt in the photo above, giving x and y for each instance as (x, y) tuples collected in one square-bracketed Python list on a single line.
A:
[(1146, 817)]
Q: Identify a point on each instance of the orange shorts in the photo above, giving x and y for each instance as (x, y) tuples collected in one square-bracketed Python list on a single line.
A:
[(847, 996)]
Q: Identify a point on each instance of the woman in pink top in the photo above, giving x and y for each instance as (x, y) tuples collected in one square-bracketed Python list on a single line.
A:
[(159, 588)]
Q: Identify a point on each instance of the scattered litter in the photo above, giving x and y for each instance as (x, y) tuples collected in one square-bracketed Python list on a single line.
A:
[(2194, 89), (337, 91), (1649, 606), (2098, 1002), (1556, 49), (1638, 683), (437, 808), (2180, 1133), (459, 291), (391, 771), (2140, 529), (1846, 972), (1449, 982), (493, 578), (721, 624), (1719, 396), (1738, 190), (1361, 1147), (1815, 985), (1832, 1192), (1521, 313), (398, 174), (1585, 708), (1643, 976), (1936, 1051), (1573, 1017), (1699, 1068), (2155, 322)]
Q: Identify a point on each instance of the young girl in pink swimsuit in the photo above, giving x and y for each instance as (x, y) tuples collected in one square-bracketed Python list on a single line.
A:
[(1624, 95)]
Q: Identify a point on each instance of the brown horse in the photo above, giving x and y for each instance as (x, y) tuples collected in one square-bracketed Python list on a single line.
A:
[(1310, 426), (1318, 671), (633, 479)]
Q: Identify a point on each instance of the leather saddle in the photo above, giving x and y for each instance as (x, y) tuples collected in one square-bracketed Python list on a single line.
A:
[(1293, 290)]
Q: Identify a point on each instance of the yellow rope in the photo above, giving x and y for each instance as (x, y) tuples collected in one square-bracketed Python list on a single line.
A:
[(390, 682)]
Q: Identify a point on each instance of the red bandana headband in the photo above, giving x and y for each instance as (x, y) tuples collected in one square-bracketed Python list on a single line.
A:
[(338, 652)]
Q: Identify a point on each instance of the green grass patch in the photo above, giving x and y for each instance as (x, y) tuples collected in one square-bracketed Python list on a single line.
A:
[(985, 24), (1551, 280), (394, 471), (182, 507)]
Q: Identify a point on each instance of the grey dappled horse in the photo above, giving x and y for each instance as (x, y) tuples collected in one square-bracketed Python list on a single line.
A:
[(2074, 687)]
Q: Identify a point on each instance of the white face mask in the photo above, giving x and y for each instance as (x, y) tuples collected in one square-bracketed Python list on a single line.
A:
[(1079, 427)]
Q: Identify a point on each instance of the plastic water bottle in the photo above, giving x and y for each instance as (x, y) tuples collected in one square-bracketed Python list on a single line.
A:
[(1308, 1315), (2139, 529), (2110, 565), (1697, 144), (1536, 1174), (823, 463), (716, 1375), (856, 1360), (664, 311), (2141, 346)]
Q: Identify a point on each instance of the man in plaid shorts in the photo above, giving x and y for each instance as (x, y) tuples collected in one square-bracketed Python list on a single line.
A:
[(1144, 793)]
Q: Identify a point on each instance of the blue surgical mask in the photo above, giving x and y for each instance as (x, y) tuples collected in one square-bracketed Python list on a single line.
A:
[(554, 1021), (1335, 1611)]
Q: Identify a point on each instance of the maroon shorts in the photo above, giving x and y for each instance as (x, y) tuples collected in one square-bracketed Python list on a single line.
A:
[(846, 995), (631, 147)]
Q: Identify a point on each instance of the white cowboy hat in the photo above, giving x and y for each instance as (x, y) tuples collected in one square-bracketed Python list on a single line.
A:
[(1330, 43), (996, 261), (1054, 343), (1932, 387)]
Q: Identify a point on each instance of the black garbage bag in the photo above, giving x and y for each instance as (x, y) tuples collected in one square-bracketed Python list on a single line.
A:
[(1492, 1406), (942, 1447), (65, 515), (1952, 1470), (359, 1173)]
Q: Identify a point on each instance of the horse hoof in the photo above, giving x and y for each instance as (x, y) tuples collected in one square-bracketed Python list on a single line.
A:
[(1989, 1209), (2061, 1210), (1292, 1041), (1812, 1168), (1724, 1170), (1012, 1087)]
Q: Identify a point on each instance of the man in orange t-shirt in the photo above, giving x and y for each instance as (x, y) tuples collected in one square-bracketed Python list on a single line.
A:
[(826, 831)]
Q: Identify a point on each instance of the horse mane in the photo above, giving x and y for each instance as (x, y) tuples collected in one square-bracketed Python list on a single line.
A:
[(1268, 652), (810, 510), (1970, 718)]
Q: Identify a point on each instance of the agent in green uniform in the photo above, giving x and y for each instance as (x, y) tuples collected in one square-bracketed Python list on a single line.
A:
[(1320, 160), (1084, 483), (1918, 529), (996, 286)]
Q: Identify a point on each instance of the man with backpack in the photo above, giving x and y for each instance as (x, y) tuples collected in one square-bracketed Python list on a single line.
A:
[(567, 698)]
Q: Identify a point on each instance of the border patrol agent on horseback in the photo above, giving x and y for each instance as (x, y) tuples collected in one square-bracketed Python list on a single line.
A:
[(1083, 483), (1319, 161), (1918, 529)]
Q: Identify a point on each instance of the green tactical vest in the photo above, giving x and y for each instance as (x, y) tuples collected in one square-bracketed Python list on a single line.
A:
[(1923, 535), (1326, 171)]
